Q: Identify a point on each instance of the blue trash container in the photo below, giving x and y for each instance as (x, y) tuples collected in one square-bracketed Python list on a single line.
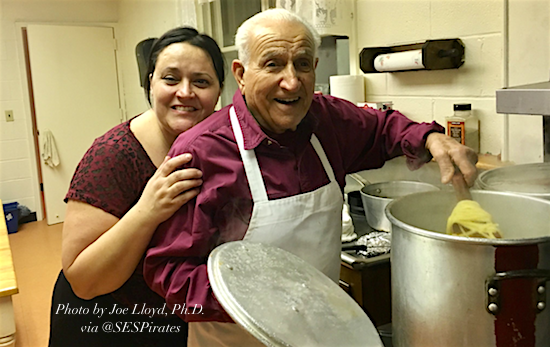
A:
[(11, 212)]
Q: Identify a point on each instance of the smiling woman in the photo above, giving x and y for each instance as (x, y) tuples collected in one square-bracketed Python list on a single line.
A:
[(184, 85), (123, 188), (185, 89)]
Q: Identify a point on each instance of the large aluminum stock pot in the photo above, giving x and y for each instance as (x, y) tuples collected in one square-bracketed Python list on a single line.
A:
[(377, 196), (526, 179), (452, 291)]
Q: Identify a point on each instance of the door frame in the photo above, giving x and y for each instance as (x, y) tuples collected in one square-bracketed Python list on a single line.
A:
[(28, 102)]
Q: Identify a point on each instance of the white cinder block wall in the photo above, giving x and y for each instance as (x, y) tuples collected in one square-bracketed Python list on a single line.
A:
[(134, 20), (430, 95)]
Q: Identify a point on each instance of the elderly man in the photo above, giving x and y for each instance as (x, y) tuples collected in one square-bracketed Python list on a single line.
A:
[(274, 166)]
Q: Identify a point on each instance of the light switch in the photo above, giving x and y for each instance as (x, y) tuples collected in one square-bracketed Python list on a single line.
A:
[(9, 116)]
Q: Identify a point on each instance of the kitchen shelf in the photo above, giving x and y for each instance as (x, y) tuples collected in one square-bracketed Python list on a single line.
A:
[(528, 99)]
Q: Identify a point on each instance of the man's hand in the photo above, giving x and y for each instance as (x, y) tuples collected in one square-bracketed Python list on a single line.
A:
[(448, 153)]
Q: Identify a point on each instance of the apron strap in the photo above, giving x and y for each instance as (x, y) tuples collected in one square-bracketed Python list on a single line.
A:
[(250, 162), (251, 167), (324, 160)]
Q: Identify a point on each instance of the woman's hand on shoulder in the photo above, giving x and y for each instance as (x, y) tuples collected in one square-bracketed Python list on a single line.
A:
[(170, 188)]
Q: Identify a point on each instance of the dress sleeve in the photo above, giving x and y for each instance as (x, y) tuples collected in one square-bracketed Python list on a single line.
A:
[(112, 173)]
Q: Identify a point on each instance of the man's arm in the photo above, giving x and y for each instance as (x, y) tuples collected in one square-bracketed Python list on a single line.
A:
[(175, 267), (175, 263), (368, 137)]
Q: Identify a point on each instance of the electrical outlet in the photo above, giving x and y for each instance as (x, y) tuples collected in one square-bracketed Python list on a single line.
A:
[(9, 116)]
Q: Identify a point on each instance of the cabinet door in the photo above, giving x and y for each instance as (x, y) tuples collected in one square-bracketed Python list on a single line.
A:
[(220, 19), (233, 14)]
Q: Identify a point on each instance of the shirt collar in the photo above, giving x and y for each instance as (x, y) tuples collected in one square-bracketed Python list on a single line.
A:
[(253, 133)]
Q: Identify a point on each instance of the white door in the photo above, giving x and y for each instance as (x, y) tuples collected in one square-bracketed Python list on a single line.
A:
[(76, 98)]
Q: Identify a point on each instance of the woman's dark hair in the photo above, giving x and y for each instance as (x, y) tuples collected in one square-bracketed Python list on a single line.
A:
[(193, 37)]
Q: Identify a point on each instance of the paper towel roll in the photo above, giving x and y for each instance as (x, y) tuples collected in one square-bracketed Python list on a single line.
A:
[(409, 60), (349, 87)]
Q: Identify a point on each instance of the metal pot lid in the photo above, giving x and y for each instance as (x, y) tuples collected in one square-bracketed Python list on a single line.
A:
[(284, 301), (528, 179)]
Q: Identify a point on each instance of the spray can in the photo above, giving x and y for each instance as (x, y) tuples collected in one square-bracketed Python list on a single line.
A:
[(463, 126)]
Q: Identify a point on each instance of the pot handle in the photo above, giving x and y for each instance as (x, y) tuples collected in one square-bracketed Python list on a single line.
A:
[(362, 181), (492, 286)]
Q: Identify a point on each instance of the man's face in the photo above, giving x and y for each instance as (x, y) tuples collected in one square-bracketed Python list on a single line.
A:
[(279, 80)]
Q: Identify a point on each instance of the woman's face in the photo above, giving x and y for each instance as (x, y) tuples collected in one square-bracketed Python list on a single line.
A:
[(184, 87)]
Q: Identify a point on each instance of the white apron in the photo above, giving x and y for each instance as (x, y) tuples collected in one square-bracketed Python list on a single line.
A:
[(308, 225)]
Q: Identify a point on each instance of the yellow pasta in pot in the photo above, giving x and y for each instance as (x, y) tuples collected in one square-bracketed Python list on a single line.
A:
[(468, 219)]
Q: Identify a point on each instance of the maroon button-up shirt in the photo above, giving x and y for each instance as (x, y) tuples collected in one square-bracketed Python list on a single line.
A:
[(353, 139)]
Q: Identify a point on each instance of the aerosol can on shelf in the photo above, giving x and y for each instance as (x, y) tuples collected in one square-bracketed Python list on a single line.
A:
[(463, 126)]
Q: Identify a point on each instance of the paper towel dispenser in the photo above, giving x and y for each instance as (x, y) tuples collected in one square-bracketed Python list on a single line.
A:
[(428, 55)]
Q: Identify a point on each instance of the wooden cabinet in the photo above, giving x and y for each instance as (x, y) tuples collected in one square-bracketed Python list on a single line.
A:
[(8, 287), (369, 283)]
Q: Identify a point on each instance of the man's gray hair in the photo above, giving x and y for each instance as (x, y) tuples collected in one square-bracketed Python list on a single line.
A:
[(247, 28)]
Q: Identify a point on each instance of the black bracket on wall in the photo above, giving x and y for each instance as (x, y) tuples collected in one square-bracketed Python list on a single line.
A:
[(435, 55)]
